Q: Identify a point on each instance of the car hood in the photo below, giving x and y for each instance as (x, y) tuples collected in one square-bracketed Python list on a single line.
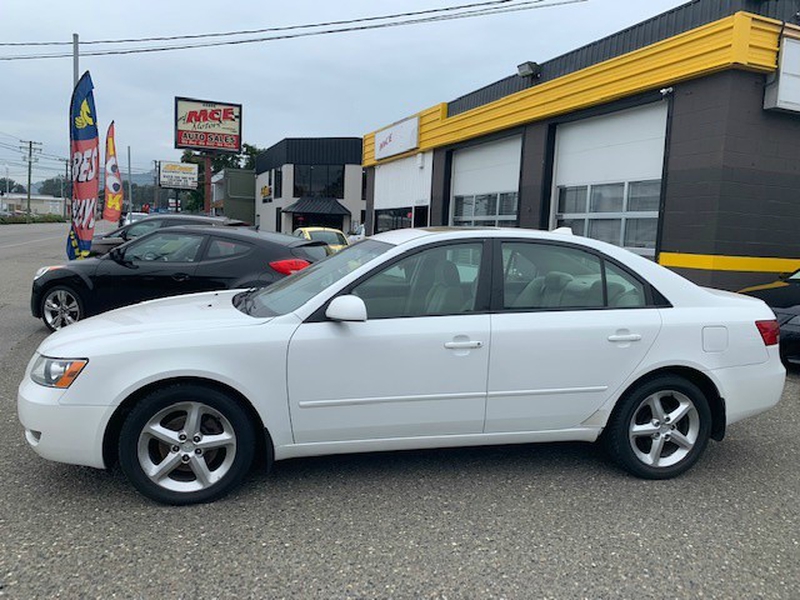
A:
[(155, 318)]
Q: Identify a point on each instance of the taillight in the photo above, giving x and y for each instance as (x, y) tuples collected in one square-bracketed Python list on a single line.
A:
[(289, 265), (770, 331)]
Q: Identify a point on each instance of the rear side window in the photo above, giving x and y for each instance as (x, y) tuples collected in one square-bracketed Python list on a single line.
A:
[(219, 248), (542, 276), (311, 252)]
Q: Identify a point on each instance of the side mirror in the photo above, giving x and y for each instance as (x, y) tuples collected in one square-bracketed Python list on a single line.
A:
[(347, 308)]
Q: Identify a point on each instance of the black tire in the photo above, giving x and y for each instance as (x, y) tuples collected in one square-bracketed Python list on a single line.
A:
[(182, 481), (653, 448), (60, 306)]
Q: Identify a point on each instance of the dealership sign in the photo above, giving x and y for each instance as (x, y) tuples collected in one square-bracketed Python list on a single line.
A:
[(177, 176), (398, 138), (203, 125)]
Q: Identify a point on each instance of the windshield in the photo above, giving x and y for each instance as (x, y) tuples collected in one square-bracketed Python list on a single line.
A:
[(291, 293), (329, 237)]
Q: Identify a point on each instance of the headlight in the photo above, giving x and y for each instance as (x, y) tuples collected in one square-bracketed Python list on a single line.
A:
[(57, 372), (42, 271)]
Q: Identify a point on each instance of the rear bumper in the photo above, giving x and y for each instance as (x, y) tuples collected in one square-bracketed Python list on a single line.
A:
[(751, 389)]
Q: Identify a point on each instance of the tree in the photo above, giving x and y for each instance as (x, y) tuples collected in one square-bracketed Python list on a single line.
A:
[(13, 186), (246, 159), (54, 187)]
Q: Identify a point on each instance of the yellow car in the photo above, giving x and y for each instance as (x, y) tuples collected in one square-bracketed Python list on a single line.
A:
[(334, 238)]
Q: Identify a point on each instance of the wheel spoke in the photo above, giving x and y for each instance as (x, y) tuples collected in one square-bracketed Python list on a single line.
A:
[(162, 434), (165, 467), (645, 430), (201, 471), (684, 407), (655, 451), (654, 402), (681, 440), (50, 305), (221, 440), (61, 295), (192, 424), (57, 320)]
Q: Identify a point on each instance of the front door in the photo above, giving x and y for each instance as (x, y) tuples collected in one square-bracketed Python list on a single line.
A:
[(416, 367), (156, 266)]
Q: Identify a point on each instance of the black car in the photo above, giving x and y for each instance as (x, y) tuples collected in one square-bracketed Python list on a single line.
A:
[(783, 297), (167, 262), (102, 244)]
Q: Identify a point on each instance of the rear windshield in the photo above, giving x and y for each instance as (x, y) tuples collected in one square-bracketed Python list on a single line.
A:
[(290, 293), (329, 237)]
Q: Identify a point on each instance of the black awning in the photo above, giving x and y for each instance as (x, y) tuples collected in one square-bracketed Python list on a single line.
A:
[(317, 206)]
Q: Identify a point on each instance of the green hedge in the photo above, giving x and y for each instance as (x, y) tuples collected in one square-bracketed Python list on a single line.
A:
[(16, 219)]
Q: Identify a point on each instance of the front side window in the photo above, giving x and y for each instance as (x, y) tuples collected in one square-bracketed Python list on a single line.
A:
[(139, 229), (166, 247), (549, 276), (437, 281), (624, 214)]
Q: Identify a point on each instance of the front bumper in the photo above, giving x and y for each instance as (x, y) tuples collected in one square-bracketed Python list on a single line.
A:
[(63, 433)]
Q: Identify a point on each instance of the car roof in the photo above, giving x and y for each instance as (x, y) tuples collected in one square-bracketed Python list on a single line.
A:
[(320, 229), (198, 218), (244, 234)]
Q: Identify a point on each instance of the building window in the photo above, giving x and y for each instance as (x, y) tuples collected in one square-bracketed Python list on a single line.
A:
[(624, 214), (482, 210), (392, 218), (277, 188), (322, 181)]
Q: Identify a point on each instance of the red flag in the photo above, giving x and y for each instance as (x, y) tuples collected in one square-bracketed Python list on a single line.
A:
[(114, 190), (85, 158)]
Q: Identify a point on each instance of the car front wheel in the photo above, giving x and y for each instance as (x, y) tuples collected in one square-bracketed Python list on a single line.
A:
[(61, 306), (659, 429), (186, 444)]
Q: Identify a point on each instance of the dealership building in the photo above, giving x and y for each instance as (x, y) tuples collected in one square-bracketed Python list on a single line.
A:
[(305, 182), (677, 138)]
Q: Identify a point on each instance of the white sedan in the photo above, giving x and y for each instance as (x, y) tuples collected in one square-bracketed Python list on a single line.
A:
[(410, 339)]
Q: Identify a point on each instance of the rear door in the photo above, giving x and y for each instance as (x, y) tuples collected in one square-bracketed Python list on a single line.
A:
[(568, 328), (227, 262)]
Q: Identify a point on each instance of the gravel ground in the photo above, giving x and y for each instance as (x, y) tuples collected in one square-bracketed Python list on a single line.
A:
[(537, 521)]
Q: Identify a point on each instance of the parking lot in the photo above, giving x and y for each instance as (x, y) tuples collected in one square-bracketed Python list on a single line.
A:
[(543, 521)]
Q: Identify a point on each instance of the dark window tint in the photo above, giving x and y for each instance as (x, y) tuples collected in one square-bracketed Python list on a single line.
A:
[(278, 191), (392, 218), (165, 246), (322, 181), (219, 248)]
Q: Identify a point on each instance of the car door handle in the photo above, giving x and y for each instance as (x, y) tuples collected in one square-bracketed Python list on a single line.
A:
[(628, 337), (180, 277), (463, 345)]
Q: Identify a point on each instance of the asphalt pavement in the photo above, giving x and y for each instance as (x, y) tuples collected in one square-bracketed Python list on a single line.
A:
[(535, 521)]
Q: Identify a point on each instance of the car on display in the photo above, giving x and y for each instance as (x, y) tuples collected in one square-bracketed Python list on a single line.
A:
[(414, 338), (166, 262), (334, 238), (783, 297), (132, 217), (102, 244)]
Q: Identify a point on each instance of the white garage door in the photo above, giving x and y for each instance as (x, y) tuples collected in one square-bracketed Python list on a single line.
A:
[(485, 184), (607, 176)]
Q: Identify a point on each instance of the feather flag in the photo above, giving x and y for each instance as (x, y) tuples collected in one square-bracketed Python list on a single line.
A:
[(114, 191), (85, 162)]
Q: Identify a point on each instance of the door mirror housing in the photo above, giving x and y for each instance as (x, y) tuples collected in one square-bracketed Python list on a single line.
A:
[(347, 308)]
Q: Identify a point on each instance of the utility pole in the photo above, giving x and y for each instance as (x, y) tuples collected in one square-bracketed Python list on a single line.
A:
[(155, 183), (30, 160), (130, 195), (75, 59), (67, 186)]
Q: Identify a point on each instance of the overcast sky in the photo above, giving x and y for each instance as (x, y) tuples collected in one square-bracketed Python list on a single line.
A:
[(334, 85)]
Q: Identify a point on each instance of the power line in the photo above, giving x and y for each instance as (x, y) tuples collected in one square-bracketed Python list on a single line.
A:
[(264, 30), (529, 5)]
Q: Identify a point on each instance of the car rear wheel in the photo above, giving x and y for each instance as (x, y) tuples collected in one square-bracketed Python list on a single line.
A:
[(61, 306), (659, 429), (186, 444)]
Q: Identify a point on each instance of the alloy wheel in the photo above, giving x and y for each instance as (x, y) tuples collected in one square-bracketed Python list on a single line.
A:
[(61, 308), (664, 429)]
